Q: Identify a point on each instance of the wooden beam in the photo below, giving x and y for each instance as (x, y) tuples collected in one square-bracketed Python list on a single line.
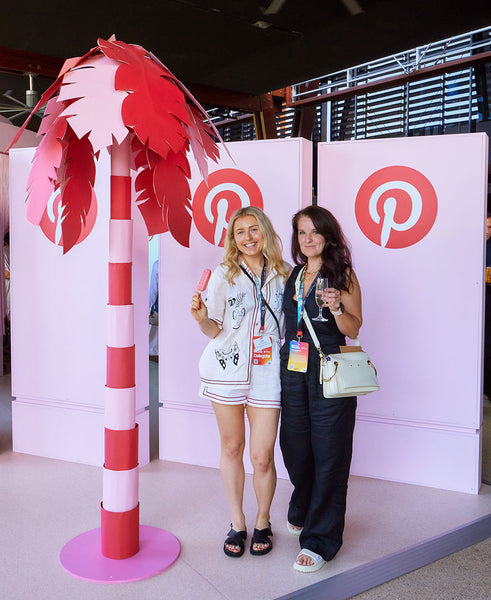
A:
[(218, 97), (234, 120), (258, 126), (382, 84), (18, 61), (304, 116), (268, 117)]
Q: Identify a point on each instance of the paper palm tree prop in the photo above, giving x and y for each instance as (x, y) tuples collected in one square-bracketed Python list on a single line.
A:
[(119, 96)]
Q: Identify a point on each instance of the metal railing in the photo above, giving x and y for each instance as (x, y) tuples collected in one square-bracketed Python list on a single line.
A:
[(431, 104)]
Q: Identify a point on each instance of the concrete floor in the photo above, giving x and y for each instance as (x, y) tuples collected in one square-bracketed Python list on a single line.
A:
[(45, 503)]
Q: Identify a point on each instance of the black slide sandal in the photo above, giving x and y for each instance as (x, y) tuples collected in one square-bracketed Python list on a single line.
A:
[(261, 536), (235, 538)]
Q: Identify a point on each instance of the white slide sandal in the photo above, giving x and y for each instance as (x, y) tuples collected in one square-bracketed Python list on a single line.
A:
[(319, 562), (293, 530)]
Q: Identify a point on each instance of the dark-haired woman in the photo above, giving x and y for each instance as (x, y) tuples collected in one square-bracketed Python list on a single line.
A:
[(316, 433)]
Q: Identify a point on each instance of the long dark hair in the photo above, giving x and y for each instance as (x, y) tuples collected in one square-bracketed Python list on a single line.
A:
[(336, 256)]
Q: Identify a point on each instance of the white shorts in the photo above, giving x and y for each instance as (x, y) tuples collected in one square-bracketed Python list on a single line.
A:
[(263, 392)]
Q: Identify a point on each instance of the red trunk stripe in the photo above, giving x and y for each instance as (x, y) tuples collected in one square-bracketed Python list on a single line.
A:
[(120, 367), (120, 533), (121, 449), (120, 197), (119, 284)]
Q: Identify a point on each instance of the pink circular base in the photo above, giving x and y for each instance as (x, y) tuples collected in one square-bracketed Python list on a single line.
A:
[(82, 557)]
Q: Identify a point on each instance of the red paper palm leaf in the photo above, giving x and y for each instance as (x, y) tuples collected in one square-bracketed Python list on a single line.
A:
[(155, 107), (171, 184), (76, 190), (202, 143), (150, 206), (139, 154), (199, 112)]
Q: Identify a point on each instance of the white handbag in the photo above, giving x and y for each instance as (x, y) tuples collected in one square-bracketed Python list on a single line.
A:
[(346, 373)]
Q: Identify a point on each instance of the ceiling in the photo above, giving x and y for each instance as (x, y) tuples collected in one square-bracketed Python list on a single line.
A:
[(247, 46)]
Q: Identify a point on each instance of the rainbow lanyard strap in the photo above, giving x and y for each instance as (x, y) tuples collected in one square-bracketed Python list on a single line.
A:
[(299, 285)]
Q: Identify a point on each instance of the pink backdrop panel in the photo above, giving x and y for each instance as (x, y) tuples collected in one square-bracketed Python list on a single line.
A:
[(27, 139), (414, 212), (59, 325), (279, 172)]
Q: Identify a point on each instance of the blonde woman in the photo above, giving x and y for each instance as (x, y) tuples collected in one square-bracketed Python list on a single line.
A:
[(239, 368)]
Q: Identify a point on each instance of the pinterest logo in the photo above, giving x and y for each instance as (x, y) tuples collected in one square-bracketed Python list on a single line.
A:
[(396, 207), (217, 199), (53, 216)]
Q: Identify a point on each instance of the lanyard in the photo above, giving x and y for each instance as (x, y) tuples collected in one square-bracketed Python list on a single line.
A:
[(259, 285), (263, 300), (299, 284)]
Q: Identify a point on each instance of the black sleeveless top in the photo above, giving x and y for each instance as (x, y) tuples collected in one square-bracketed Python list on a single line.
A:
[(329, 336)]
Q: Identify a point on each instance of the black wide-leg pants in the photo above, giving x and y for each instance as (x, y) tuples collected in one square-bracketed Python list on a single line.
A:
[(316, 438)]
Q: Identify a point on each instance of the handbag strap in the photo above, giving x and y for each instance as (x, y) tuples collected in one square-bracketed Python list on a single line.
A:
[(264, 300), (314, 337)]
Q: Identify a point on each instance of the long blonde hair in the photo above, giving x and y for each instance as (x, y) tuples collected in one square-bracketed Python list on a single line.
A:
[(272, 244)]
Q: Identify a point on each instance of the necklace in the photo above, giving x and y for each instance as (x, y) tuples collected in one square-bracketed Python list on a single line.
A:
[(307, 272)]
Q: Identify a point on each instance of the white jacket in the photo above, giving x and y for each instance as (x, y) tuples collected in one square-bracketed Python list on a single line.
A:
[(227, 358)]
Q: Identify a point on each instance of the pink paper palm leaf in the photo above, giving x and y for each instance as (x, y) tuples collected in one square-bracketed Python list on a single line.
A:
[(47, 160)]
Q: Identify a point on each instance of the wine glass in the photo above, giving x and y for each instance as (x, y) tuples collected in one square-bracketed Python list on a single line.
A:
[(321, 286)]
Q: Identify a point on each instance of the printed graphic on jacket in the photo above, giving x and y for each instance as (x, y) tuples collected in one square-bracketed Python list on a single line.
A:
[(276, 301), (238, 309), (224, 356)]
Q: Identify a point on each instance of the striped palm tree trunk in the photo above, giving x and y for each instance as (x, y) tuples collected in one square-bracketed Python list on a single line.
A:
[(120, 505)]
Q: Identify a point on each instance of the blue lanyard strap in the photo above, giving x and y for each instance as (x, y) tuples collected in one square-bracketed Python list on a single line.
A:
[(263, 300)]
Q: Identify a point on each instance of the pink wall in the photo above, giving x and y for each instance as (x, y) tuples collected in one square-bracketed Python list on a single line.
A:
[(422, 302)]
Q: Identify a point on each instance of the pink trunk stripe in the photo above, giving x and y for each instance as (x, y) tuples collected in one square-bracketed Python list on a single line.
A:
[(121, 449), (119, 410), (120, 325), (120, 157), (120, 197), (120, 533), (120, 364), (120, 241), (119, 288), (119, 489)]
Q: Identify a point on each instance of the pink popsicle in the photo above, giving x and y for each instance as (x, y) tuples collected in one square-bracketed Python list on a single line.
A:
[(203, 280)]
